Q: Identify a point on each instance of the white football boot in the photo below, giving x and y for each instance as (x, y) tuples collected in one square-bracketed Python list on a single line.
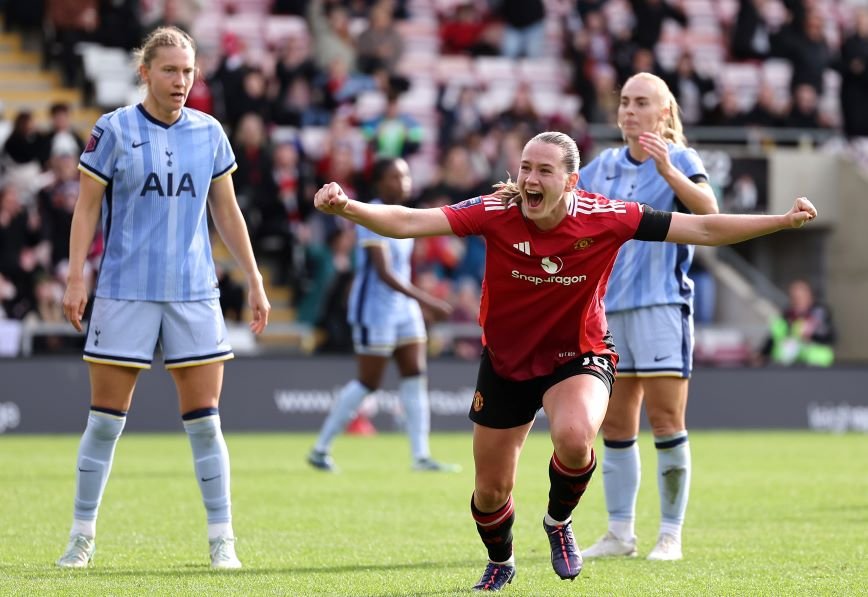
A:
[(223, 554), (610, 546), (79, 552), (668, 548)]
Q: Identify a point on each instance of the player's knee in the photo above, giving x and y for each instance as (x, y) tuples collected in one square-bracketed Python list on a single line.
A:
[(666, 422), (574, 445), (491, 495), (573, 442), (105, 428)]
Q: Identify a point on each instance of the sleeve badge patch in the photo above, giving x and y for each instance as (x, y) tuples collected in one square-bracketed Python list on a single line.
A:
[(466, 203), (92, 143)]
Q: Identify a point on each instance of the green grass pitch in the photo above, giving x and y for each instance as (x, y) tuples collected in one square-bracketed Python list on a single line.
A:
[(771, 513)]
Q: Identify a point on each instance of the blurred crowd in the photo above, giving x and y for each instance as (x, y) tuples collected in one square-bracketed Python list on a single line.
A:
[(339, 85)]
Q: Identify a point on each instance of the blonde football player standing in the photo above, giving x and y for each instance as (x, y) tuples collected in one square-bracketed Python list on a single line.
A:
[(649, 308), (151, 170)]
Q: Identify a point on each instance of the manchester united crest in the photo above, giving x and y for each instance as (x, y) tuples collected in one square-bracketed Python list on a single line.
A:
[(477, 401), (583, 243)]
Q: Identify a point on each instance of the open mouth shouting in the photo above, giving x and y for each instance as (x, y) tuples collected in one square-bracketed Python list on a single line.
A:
[(534, 198)]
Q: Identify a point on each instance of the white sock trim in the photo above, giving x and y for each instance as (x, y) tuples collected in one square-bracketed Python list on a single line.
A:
[(625, 530), (83, 527), (219, 529), (671, 528), (509, 562), (552, 522)]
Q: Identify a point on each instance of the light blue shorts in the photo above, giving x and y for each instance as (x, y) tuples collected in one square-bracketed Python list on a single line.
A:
[(653, 341), (126, 333), (381, 340)]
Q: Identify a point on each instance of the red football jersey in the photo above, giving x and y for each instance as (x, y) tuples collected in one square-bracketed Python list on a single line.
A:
[(542, 296)]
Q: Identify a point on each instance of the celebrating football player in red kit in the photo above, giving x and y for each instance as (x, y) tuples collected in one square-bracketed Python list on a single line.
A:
[(549, 253)]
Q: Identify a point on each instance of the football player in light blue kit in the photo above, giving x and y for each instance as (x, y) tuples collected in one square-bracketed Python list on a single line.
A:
[(387, 321), (151, 170), (649, 307)]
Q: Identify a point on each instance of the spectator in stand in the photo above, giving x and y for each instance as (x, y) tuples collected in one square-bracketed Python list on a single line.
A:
[(330, 24), (23, 145), (252, 98), (231, 294), (56, 204), (282, 210), (253, 156), (460, 113), (161, 13), (227, 81), (20, 233), (455, 179), (768, 111), (48, 308), (853, 66), (521, 114), (380, 45), (341, 85), (649, 16), (509, 146), (606, 85), (644, 61), (524, 28), (294, 62), (806, 49), (395, 133), (696, 94), (200, 97), (466, 30), (729, 112), (334, 279), (19, 227), (72, 21), (578, 54), (750, 38), (298, 107), (805, 109), (804, 335), (119, 24), (60, 138)]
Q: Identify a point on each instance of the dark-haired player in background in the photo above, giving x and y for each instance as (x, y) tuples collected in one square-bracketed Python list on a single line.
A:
[(387, 323)]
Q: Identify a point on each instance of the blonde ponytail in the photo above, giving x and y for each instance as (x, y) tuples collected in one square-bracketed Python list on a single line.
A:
[(673, 129)]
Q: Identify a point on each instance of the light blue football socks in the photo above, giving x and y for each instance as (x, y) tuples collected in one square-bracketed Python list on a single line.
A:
[(95, 454), (211, 463), (673, 480), (621, 477), (413, 392), (344, 408)]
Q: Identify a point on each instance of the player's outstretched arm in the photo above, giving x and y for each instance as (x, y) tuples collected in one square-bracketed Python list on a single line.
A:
[(230, 224), (726, 229), (395, 221)]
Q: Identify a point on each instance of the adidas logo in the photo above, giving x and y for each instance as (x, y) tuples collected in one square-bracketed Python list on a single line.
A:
[(523, 247)]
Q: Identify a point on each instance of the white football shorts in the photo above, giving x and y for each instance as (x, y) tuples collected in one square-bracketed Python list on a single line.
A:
[(653, 341), (126, 333)]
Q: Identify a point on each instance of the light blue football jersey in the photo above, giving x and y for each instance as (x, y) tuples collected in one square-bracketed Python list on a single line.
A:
[(372, 302), (645, 273), (154, 217)]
